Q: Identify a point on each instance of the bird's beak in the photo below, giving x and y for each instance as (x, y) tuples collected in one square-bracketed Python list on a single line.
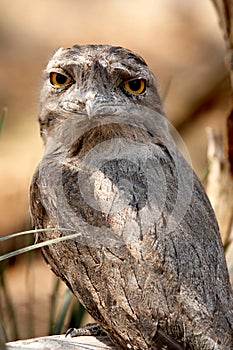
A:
[(98, 105), (91, 108)]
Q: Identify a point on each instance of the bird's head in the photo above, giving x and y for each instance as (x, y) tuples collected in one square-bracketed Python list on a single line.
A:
[(101, 117), (92, 81)]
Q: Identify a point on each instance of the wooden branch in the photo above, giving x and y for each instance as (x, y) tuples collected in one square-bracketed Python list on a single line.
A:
[(220, 178), (225, 12), (60, 342), (219, 183), (220, 191)]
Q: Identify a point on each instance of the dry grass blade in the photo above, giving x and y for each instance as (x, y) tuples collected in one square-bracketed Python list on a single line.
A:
[(3, 118), (36, 245)]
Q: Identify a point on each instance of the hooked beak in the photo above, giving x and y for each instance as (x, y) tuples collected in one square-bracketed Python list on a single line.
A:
[(98, 109), (91, 104), (98, 106)]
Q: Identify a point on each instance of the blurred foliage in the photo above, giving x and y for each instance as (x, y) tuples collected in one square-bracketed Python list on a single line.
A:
[(2, 119), (64, 314)]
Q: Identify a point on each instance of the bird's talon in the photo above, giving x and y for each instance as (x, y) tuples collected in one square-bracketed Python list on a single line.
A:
[(91, 329), (71, 332)]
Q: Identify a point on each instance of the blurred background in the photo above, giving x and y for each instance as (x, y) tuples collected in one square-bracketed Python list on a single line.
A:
[(182, 43)]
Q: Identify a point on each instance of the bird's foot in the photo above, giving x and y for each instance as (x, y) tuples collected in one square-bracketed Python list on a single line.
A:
[(92, 329)]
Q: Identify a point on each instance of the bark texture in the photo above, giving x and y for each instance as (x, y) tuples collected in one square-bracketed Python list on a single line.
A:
[(60, 342)]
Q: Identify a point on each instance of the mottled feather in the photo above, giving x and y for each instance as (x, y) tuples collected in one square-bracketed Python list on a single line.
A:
[(148, 263)]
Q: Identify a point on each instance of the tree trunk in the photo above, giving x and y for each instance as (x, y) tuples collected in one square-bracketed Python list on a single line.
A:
[(220, 179)]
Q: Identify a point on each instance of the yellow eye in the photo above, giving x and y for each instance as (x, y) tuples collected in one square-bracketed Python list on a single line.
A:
[(135, 86), (59, 80)]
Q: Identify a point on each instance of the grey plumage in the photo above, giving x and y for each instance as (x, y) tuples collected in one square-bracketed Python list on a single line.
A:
[(148, 263)]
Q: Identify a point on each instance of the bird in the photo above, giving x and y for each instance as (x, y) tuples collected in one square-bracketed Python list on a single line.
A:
[(146, 258)]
